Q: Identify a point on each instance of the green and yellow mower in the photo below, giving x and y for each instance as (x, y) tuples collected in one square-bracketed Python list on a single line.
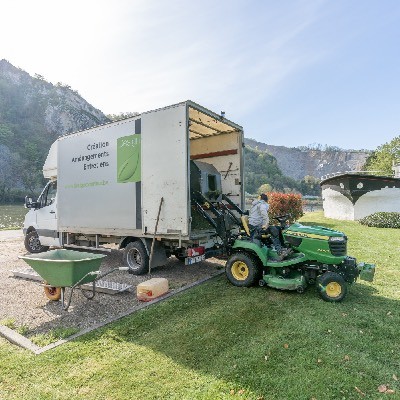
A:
[(318, 257)]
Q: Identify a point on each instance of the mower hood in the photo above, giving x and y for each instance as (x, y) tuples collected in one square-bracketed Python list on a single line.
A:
[(313, 232)]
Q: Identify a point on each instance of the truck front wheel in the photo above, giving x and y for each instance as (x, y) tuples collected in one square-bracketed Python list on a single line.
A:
[(135, 258), (242, 270), (32, 243)]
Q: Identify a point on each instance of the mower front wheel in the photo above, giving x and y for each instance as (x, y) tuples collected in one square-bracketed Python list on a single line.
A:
[(331, 287), (242, 270)]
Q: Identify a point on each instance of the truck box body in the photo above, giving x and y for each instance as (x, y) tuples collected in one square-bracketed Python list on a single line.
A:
[(111, 178)]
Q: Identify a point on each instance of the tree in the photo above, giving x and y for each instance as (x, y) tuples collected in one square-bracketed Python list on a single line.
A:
[(310, 186), (6, 133), (122, 115), (264, 188), (383, 157)]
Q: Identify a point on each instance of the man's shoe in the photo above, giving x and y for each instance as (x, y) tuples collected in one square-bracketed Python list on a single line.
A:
[(284, 253)]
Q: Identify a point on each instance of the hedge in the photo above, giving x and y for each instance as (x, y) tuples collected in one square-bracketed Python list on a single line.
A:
[(382, 220), (285, 204)]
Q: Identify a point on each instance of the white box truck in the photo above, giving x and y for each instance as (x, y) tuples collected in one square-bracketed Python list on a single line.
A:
[(141, 183)]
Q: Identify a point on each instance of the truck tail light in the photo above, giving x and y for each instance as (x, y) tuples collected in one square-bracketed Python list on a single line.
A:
[(196, 251)]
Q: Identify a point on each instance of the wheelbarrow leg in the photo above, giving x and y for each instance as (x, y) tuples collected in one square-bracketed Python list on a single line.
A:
[(92, 294), (63, 306)]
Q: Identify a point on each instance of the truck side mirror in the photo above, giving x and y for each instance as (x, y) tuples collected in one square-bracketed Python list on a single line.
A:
[(29, 203)]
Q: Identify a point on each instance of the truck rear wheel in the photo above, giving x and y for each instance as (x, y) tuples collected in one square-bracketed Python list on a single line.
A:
[(32, 243), (331, 287), (242, 270), (135, 258)]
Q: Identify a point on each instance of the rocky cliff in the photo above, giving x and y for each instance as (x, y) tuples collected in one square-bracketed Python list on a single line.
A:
[(60, 109), (33, 113), (298, 163)]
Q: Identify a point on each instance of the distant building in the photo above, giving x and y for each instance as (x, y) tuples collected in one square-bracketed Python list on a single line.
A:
[(396, 169), (352, 196)]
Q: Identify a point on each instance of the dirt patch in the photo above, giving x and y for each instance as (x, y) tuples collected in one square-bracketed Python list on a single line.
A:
[(24, 301)]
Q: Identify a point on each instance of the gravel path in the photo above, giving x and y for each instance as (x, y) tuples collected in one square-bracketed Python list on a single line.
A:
[(25, 302)]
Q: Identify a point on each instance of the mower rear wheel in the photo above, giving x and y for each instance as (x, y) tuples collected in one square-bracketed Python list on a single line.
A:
[(242, 270), (331, 287)]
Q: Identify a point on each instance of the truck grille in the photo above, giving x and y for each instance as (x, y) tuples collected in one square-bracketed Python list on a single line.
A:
[(338, 248)]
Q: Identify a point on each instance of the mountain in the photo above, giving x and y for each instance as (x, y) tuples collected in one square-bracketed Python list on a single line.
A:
[(33, 113), (297, 163)]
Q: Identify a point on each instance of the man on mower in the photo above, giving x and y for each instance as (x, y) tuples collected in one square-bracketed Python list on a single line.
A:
[(259, 220)]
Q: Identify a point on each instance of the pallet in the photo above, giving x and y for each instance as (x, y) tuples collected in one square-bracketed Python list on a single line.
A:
[(101, 286)]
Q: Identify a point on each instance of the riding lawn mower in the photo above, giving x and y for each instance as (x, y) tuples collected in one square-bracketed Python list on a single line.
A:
[(319, 256)]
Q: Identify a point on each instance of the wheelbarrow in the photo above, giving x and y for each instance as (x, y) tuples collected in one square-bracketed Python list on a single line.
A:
[(67, 268)]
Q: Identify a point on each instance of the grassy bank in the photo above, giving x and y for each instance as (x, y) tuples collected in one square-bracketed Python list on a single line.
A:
[(222, 342), (12, 216)]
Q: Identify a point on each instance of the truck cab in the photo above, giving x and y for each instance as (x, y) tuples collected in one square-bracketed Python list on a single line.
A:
[(41, 220)]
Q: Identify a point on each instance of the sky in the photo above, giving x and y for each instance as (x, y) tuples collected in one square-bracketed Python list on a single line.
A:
[(291, 72)]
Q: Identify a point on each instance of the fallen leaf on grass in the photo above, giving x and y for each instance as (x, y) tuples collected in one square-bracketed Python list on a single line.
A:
[(329, 331), (382, 388), (319, 361), (286, 346), (389, 313), (346, 358), (359, 391), (241, 391), (385, 389), (394, 376)]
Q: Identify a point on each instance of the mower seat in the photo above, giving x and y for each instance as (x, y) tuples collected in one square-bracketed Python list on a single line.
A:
[(245, 224)]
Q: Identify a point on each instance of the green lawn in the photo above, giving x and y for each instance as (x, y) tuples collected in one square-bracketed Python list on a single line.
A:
[(12, 216), (217, 341)]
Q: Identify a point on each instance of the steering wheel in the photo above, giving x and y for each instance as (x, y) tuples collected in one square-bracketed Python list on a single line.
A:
[(282, 219)]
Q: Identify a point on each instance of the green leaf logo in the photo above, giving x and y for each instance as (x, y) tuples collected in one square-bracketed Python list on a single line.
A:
[(128, 159)]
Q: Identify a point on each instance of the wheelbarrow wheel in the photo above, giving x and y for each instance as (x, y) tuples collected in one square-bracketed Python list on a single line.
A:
[(52, 293)]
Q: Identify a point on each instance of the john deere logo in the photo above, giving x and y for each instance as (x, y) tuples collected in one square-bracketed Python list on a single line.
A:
[(128, 159)]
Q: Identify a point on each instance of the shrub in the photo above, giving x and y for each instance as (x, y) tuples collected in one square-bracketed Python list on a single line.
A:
[(382, 220), (285, 204)]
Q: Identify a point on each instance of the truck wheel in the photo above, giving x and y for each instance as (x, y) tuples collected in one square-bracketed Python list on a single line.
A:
[(135, 257), (32, 243), (180, 258), (242, 270), (331, 287)]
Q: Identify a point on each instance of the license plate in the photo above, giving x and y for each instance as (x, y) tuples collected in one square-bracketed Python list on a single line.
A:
[(193, 260)]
